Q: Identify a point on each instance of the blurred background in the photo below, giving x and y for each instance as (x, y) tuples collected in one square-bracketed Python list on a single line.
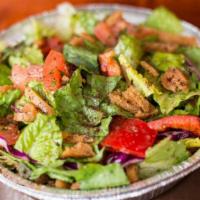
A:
[(14, 10)]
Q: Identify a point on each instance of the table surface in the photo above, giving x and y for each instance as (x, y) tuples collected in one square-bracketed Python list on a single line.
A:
[(12, 11)]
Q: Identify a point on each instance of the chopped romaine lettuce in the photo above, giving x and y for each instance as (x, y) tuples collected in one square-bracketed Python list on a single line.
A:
[(103, 129), (164, 61), (101, 86), (84, 21), (169, 101), (99, 153), (23, 167), (37, 30), (130, 48), (82, 58), (140, 82), (70, 105), (95, 176), (55, 173), (20, 103), (90, 176), (4, 75), (6, 99), (70, 102), (162, 157), (41, 140), (43, 92), (78, 112), (164, 20), (191, 142), (112, 109), (191, 108), (96, 46), (193, 53), (26, 56)]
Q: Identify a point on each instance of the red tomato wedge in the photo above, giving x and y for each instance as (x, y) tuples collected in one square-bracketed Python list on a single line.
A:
[(131, 136), (103, 32), (53, 66), (20, 76), (10, 133), (48, 44), (185, 122), (109, 65)]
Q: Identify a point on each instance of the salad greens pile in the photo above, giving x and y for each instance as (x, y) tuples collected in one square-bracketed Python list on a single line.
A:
[(100, 102)]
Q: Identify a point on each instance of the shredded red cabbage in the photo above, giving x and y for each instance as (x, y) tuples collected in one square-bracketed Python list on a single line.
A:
[(122, 158), (176, 135), (13, 151), (71, 165), (193, 68)]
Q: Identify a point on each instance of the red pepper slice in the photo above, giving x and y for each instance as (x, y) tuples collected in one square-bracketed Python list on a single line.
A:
[(185, 122), (131, 136), (53, 66)]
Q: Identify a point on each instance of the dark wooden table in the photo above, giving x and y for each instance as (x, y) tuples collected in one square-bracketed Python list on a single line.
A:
[(12, 11)]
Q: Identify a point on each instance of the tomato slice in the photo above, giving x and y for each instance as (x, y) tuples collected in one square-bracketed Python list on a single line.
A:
[(53, 66), (184, 122), (48, 44), (132, 136), (103, 32), (20, 76), (109, 65)]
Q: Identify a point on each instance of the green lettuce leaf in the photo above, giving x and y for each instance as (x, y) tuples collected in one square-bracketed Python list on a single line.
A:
[(41, 140), (139, 81), (98, 87), (4, 75), (95, 46), (162, 157), (79, 105), (130, 48), (103, 129), (26, 56), (23, 167), (43, 92), (191, 142), (70, 105), (190, 108), (164, 20), (95, 176), (164, 61), (82, 58), (111, 110), (193, 53), (84, 21), (37, 31), (90, 176), (54, 173), (7, 99), (21, 102), (169, 101)]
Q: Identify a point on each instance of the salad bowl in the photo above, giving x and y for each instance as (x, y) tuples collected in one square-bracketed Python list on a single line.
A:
[(142, 190)]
